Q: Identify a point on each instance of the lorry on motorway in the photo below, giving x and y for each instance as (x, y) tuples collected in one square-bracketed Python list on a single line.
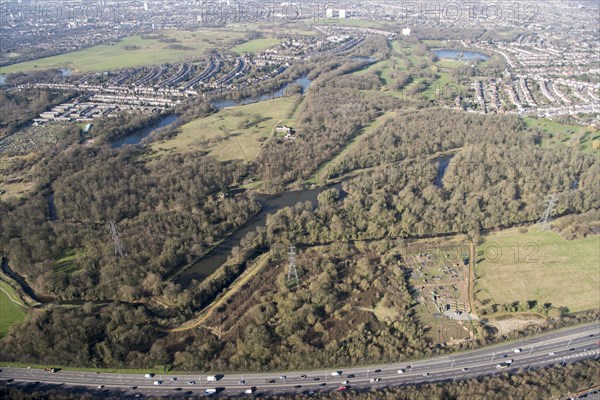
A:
[(210, 391), (250, 390), (336, 373), (212, 378)]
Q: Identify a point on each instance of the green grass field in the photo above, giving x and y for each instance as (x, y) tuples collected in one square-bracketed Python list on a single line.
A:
[(66, 263), (539, 266), (10, 313), (151, 51), (570, 135), (256, 45), (227, 135)]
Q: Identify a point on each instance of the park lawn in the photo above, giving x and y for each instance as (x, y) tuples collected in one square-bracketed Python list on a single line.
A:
[(570, 135), (114, 56), (224, 135), (256, 45), (539, 266), (448, 63), (10, 313), (66, 264)]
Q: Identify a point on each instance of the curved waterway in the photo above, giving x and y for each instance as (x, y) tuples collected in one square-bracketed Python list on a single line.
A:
[(270, 204), (136, 137)]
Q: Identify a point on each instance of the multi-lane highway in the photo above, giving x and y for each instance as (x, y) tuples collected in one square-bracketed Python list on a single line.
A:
[(554, 348)]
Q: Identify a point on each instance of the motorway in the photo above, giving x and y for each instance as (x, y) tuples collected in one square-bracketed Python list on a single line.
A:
[(559, 347)]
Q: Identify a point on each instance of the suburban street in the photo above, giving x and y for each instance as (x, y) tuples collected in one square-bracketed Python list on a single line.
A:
[(563, 346)]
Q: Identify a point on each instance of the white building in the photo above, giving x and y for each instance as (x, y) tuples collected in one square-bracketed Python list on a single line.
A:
[(329, 13), (406, 31), (342, 14)]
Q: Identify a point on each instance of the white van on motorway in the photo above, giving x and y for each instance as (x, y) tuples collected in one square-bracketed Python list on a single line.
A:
[(336, 373)]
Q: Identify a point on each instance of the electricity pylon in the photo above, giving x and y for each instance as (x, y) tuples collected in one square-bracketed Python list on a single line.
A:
[(292, 275), (546, 217), (114, 232)]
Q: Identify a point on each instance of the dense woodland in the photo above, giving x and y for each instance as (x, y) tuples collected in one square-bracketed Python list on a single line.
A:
[(166, 210)]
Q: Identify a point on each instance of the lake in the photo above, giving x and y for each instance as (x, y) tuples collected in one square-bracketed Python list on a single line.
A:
[(461, 55)]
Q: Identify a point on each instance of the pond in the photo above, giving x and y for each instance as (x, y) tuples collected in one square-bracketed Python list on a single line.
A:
[(461, 55)]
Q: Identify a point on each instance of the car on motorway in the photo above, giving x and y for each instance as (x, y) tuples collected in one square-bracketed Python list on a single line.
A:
[(517, 350), (572, 349), (322, 384), (465, 369), (250, 390), (316, 378), (345, 382), (150, 375), (400, 371), (587, 349), (375, 380), (336, 373), (158, 382), (343, 388), (241, 382), (552, 353), (132, 387), (425, 373), (210, 391), (177, 389), (502, 365), (377, 371), (174, 378), (283, 377), (298, 387), (272, 381), (99, 386), (350, 375), (303, 376), (191, 382)]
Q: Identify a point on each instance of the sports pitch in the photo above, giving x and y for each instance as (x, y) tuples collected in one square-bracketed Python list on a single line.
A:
[(539, 266)]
